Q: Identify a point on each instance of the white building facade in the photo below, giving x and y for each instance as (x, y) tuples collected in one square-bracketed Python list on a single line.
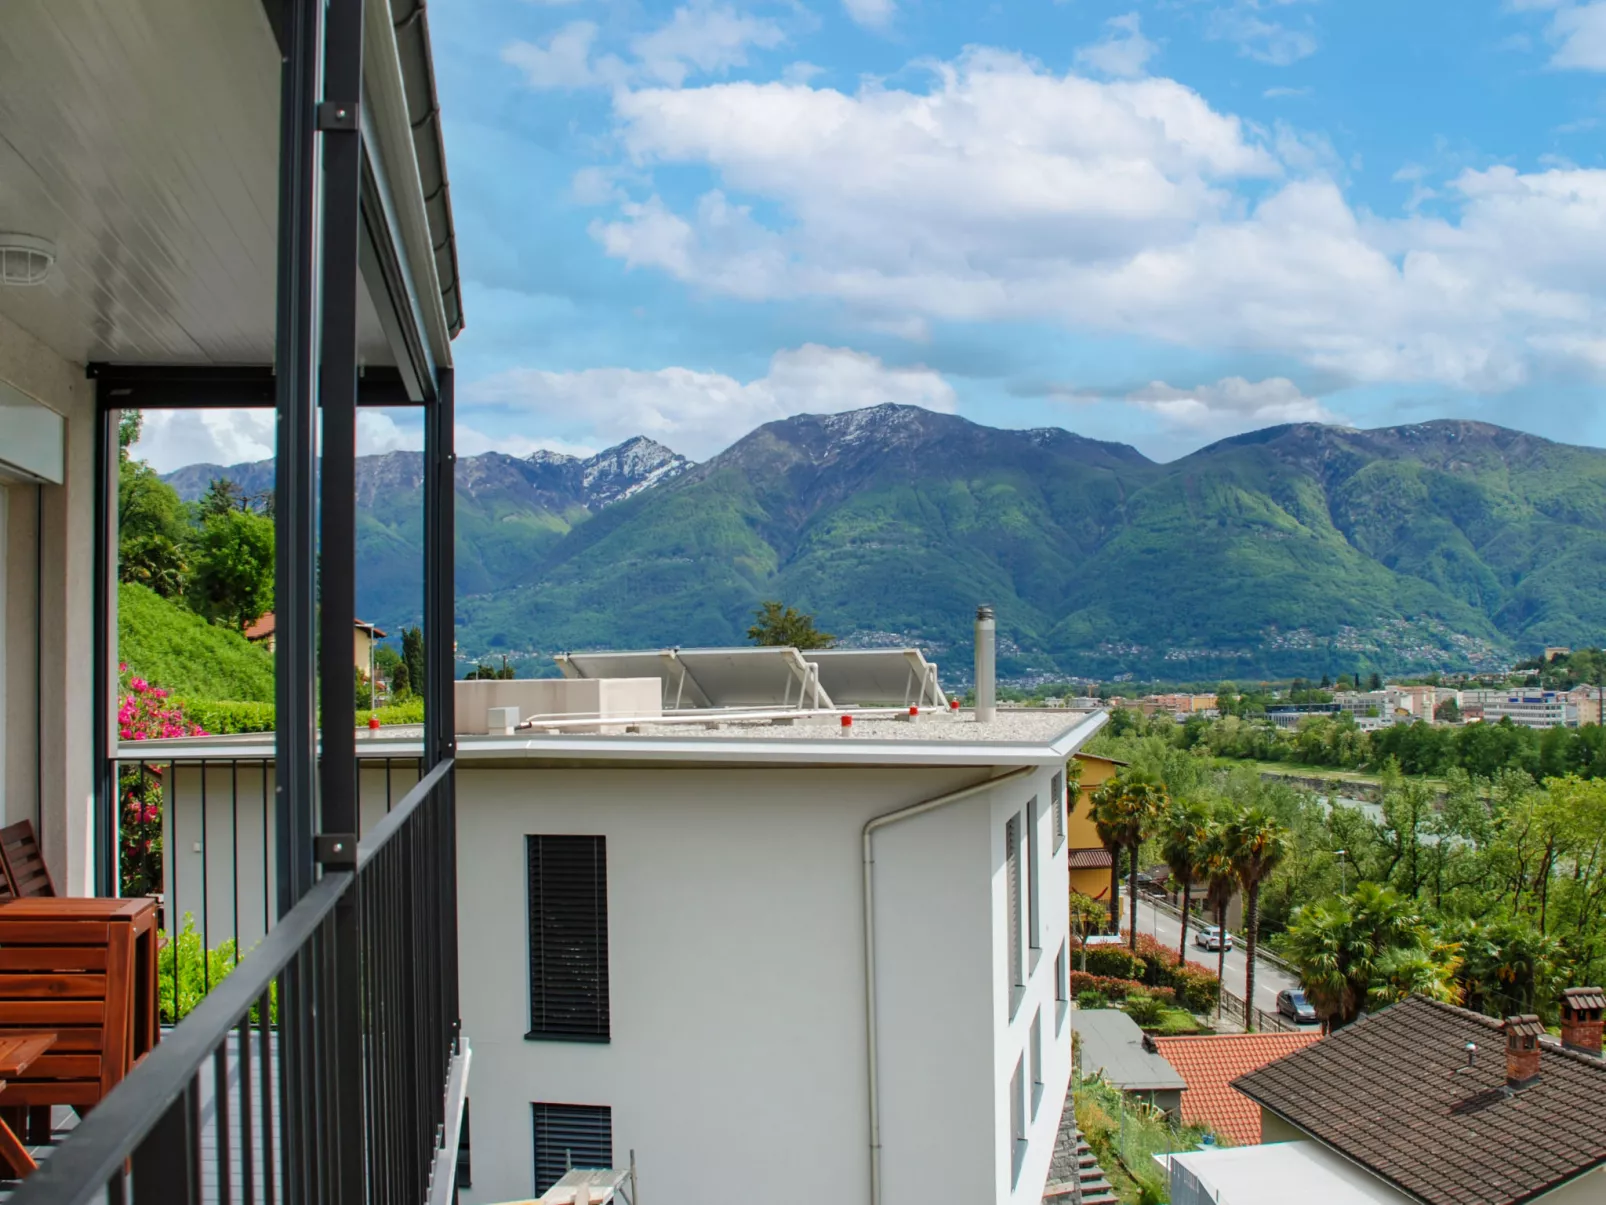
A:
[(816, 967)]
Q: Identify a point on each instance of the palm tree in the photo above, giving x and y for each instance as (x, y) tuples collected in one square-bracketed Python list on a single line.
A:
[(1221, 881), (1108, 820), (1136, 802), (1363, 949), (1256, 843), (1182, 844)]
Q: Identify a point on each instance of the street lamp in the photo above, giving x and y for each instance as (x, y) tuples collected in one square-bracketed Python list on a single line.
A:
[(1343, 870)]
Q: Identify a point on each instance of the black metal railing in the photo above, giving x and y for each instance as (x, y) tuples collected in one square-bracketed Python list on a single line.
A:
[(327, 1068), (198, 832)]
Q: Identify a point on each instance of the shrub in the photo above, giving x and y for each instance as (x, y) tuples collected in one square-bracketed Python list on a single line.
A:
[(185, 974), (409, 711), (226, 717), (1145, 1010), (1091, 999), (1196, 987), (1113, 962), (1117, 989)]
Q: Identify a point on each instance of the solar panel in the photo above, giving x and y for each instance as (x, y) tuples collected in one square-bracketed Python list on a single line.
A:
[(711, 678), (878, 677)]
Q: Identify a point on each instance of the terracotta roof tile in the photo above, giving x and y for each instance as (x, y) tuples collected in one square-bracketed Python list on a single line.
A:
[(1209, 1064), (1394, 1093), (1088, 859)]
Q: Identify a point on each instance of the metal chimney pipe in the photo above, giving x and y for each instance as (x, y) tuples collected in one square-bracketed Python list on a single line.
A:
[(986, 666)]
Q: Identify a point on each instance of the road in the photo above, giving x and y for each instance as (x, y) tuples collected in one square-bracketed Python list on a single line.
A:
[(1162, 925)]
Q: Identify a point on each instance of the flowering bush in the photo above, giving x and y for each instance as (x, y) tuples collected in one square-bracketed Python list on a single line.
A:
[(1117, 989), (144, 712)]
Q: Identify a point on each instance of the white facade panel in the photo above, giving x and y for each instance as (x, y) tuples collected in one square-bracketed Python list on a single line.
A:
[(737, 1063)]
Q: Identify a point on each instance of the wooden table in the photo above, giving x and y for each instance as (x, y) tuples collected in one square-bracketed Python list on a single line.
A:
[(18, 1052), (86, 970)]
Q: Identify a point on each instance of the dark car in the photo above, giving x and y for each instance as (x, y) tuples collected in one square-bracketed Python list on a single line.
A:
[(1292, 1004)]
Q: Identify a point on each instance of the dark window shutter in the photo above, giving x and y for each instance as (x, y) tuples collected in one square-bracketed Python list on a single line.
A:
[(1012, 886), (570, 1136), (568, 937)]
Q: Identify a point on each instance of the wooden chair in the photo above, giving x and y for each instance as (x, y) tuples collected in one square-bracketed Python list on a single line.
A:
[(69, 967), (26, 874)]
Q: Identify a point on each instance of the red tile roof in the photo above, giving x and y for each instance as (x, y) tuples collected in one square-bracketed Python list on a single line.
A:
[(1210, 1064)]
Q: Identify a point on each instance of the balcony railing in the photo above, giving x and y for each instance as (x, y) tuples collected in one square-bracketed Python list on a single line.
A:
[(197, 828), (327, 1067)]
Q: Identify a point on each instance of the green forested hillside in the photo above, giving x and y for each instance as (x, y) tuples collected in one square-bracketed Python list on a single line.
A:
[(175, 648), (1300, 549)]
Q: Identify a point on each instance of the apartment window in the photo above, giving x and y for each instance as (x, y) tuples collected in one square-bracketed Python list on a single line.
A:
[(568, 899), (1012, 886), (1057, 794), (1034, 880), (1062, 984), (568, 1136), (1036, 1053), (1017, 1116)]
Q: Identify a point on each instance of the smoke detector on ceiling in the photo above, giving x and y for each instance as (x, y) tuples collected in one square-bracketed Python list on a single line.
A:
[(24, 259)]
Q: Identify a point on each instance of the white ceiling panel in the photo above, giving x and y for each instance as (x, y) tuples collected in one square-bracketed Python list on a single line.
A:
[(142, 139)]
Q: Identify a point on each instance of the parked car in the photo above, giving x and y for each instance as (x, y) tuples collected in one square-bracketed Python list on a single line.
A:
[(1213, 938), (1292, 1004)]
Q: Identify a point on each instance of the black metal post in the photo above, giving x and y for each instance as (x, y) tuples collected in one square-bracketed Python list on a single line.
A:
[(295, 581), (341, 1041), (440, 622), (103, 642), (295, 578)]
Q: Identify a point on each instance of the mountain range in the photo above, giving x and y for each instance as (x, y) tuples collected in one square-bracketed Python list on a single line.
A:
[(1296, 549)]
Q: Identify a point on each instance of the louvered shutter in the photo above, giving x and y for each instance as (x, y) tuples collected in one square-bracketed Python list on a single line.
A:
[(568, 898), (1012, 886), (570, 1136)]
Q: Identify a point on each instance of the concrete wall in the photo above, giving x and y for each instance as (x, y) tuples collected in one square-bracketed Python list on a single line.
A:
[(219, 839), (48, 714), (736, 1068)]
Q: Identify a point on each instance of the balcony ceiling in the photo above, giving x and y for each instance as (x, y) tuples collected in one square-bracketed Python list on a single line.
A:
[(142, 139)]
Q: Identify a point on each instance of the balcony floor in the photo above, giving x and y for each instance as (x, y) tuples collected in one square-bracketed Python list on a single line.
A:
[(63, 1120)]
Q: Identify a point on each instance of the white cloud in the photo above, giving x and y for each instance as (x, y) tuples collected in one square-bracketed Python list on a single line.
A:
[(171, 439), (1580, 32), (1122, 52), (699, 413), (872, 14), (1006, 191), (1230, 405), (564, 59), (699, 37), (1260, 39), (703, 37)]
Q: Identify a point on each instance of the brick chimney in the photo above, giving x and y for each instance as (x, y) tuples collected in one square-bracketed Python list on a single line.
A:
[(1582, 1009), (1522, 1050)]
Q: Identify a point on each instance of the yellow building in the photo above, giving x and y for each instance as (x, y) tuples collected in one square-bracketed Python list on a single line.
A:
[(1089, 860), (366, 639)]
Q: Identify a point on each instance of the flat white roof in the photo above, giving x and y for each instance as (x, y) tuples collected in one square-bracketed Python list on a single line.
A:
[(1019, 738), (1267, 1175)]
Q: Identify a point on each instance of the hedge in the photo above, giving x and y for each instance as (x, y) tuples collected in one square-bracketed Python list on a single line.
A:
[(1117, 989), (1156, 966), (228, 718)]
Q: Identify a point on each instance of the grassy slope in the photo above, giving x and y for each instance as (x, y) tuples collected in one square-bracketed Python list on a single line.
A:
[(178, 650)]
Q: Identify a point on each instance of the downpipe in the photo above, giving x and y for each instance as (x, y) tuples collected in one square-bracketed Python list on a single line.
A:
[(870, 827)]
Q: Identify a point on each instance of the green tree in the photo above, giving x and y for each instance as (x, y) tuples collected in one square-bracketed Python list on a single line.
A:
[(231, 578), (413, 655), (1184, 835), (222, 496), (1255, 843), (1448, 712), (780, 626), (1221, 883), (1337, 946), (1125, 811), (364, 693), (152, 523)]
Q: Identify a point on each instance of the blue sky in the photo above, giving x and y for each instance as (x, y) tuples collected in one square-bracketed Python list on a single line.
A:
[(1158, 222)]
